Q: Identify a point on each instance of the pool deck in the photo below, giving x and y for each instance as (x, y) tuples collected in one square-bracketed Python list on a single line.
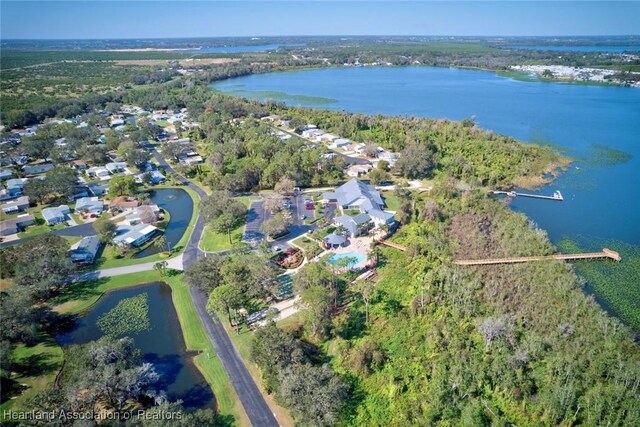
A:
[(360, 245)]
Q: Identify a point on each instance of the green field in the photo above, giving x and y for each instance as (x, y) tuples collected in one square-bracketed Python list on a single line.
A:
[(36, 369), (214, 242)]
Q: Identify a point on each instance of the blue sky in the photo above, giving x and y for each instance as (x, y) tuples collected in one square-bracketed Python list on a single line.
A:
[(160, 19)]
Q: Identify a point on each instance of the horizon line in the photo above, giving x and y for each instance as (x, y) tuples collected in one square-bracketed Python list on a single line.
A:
[(2, 40)]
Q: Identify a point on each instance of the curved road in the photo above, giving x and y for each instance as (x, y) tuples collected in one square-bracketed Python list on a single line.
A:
[(254, 404)]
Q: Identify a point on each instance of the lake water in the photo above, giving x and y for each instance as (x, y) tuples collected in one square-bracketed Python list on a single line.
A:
[(180, 206), (599, 126), (602, 188), (236, 49), (608, 49), (162, 345)]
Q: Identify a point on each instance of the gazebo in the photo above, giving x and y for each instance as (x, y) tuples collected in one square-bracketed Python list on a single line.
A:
[(334, 240)]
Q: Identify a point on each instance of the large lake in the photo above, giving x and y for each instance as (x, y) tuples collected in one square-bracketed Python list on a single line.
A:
[(585, 48), (599, 126), (237, 49), (602, 188)]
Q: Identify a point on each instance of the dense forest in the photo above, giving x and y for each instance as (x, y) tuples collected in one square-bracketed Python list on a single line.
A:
[(430, 343), (427, 146)]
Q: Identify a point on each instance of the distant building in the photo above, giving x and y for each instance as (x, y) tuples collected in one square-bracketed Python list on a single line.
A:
[(17, 205), (55, 215), (15, 186), (14, 225), (5, 174), (391, 158), (98, 189), (37, 169), (91, 205), (98, 172), (145, 214), (86, 250), (155, 176), (355, 194), (358, 170), (189, 158), (134, 236), (124, 203), (116, 167)]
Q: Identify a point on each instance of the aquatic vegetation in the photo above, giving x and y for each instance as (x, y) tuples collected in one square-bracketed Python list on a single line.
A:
[(615, 283), (607, 156), (283, 96), (130, 316)]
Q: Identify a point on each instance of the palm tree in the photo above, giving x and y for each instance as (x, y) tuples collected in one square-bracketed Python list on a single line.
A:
[(161, 243), (161, 267)]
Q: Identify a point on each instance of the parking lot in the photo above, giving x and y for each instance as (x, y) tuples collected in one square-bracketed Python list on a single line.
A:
[(255, 217)]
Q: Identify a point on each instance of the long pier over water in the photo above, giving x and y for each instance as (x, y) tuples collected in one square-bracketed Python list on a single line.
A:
[(606, 253), (557, 196)]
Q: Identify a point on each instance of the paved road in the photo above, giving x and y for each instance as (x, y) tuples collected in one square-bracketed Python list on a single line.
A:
[(252, 400), (81, 230)]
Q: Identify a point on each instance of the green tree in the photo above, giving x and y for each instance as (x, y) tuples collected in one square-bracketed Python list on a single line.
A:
[(285, 186), (161, 243), (105, 228), (315, 393), (104, 374), (224, 298), (134, 155), (204, 273), (318, 302), (222, 213), (38, 146), (273, 350), (124, 185), (379, 176), (161, 267), (40, 265), (415, 162)]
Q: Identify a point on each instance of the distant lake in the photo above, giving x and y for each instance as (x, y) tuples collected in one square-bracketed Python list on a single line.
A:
[(597, 125), (237, 49), (163, 344), (609, 49)]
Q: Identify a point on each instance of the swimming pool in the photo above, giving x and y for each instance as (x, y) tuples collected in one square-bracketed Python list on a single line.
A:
[(357, 258)]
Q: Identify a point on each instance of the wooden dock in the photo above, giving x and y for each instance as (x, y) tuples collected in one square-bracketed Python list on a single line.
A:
[(557, 195), (606, 253), (391, 245)]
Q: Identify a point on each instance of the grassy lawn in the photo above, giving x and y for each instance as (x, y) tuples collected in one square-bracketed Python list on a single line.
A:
[(162, 123), (80, 296), (36, 229), (352, 212), (310, 247), (109, 259), (391, 201), (36, 368), (213, 242)]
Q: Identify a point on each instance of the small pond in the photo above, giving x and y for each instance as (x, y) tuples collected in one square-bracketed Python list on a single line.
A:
[(161, 344), (179, 204)]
